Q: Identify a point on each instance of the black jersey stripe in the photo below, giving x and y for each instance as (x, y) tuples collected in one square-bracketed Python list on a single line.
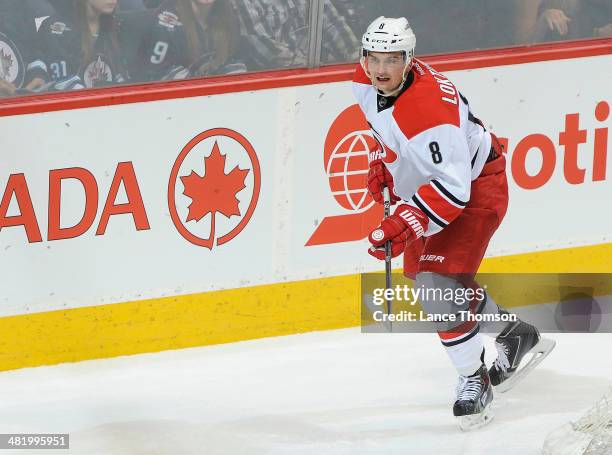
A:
[(448, 194), (428, 212), (475, 156), (462, 340)]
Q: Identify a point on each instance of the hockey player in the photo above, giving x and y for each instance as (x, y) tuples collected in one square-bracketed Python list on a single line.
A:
[(81, 45), (446, 172)]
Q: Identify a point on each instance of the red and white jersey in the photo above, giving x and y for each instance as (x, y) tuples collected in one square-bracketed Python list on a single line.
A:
[(432, 144)]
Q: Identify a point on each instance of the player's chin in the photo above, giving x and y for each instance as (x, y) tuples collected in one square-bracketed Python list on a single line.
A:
[(385, 86)]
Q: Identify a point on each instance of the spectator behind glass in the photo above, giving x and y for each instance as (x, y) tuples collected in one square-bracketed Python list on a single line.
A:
[(573, 19), (189, 38), (81, 46), (594, 19), (276, 33), (509, 22), (360, 13), (444, 26), (339, 42), (21, 68)]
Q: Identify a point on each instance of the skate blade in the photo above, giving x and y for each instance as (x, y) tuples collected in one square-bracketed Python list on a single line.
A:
[(539, 351), (475, 421)]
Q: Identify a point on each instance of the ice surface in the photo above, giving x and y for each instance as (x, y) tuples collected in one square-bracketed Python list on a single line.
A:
[(324, 393)]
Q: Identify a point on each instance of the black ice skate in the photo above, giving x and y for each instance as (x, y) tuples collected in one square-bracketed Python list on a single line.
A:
[(474, 397), (516, 341)]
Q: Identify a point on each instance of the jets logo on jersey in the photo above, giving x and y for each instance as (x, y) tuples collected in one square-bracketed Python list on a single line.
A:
[(97, 73), (168, 20), (11, 63), (58, 28)]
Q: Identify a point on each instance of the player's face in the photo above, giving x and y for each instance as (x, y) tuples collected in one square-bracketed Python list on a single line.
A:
[(386, 69), (103, 6)]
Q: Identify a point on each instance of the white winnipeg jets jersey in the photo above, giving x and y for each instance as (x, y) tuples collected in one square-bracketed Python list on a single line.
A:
[(432, 144)]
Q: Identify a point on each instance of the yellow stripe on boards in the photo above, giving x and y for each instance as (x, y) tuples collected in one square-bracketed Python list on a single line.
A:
[(584, 259), (178, 322), (227, 316)]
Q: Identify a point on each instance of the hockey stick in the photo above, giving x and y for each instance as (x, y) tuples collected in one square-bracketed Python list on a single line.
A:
[(388, 284)]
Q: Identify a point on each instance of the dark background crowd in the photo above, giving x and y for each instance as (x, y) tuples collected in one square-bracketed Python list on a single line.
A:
[(48, 45)]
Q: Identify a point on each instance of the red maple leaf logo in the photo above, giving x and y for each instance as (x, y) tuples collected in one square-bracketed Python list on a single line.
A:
[(215, 191)]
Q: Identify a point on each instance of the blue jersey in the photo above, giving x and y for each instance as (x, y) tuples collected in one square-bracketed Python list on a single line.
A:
[(20, 53), (69, 66), (164, 52)]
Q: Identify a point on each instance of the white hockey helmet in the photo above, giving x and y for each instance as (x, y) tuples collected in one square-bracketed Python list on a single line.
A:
[(387, 34)]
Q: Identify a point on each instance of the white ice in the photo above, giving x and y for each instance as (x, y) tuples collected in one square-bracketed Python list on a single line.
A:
[(324, 393)]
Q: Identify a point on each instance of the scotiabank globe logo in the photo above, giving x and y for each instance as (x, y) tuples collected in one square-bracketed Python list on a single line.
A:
[(345, 162), (214, 187)]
